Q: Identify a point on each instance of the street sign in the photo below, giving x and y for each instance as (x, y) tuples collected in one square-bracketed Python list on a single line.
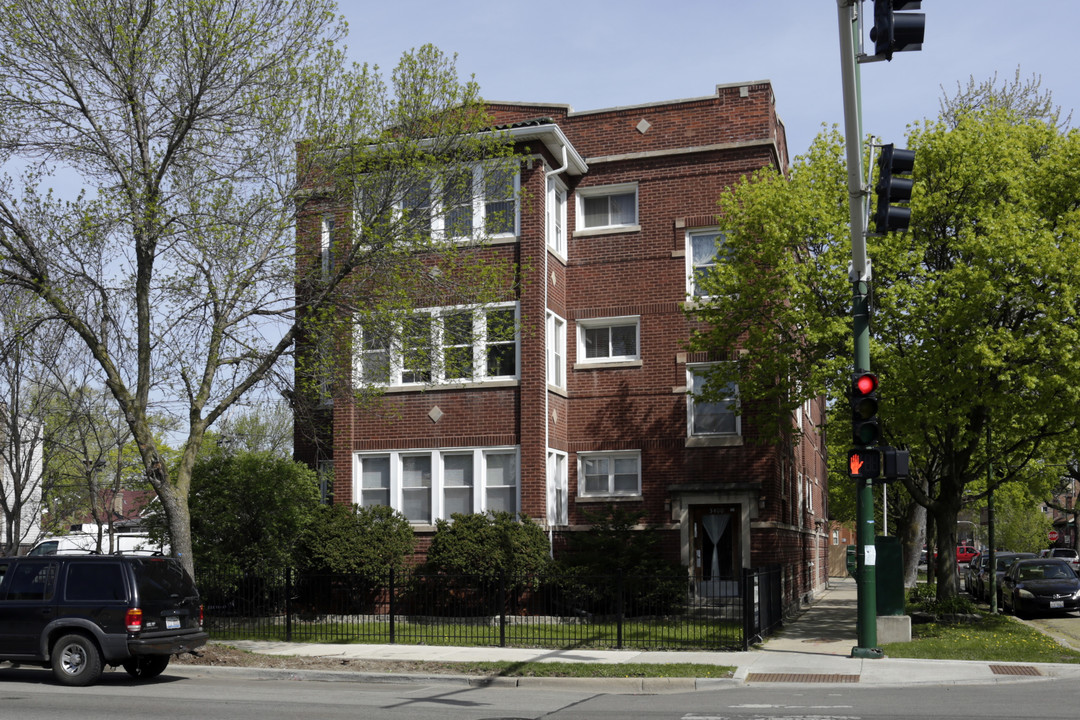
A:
[(1053, 535)]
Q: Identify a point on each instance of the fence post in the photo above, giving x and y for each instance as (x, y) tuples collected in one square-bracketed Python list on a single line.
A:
[(619, 611), (288, 603), (502, 609), (391, 603)]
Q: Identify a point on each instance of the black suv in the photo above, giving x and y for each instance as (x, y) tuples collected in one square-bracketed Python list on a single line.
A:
[(78, 612)]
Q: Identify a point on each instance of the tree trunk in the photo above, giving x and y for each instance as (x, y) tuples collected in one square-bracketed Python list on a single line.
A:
[(912, 536)]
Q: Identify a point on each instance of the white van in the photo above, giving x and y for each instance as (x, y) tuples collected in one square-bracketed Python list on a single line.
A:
[(82, 543)]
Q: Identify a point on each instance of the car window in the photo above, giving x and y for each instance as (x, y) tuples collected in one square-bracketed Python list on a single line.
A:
[(94, 582), (162, 580), (32, 581)]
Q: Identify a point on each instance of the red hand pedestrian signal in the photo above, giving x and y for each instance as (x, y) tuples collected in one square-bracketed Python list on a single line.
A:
[(864, 464)]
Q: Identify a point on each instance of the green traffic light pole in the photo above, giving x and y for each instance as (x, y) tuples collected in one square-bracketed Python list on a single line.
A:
[(860, 276)]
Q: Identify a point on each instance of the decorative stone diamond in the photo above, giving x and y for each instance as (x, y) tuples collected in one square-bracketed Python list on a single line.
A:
[(435, 414), (643, 126)]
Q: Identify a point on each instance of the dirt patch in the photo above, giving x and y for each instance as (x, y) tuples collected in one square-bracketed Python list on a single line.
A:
[(220, 655)]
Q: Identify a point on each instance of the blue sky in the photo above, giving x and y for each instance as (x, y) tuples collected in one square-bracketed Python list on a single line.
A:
[(592, 54)]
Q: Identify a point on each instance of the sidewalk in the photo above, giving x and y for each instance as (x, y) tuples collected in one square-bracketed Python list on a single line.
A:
[(814, 648)]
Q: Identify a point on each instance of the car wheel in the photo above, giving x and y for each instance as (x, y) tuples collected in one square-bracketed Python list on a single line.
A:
[(76, 660), (144, 668)]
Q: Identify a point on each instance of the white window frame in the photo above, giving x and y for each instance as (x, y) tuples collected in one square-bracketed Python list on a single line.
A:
[(583, 326), (611, 457), (478, 202), (326, 244), (556, 216), (556, 351), (692, 268), (694, 371), (436, 369), (590, 193), (479, 501), (558, 501)]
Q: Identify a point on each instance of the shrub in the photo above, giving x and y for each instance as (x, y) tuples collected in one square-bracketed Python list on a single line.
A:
[(488, 545), (349, 539)]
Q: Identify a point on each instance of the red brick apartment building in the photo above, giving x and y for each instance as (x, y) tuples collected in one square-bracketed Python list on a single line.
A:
[(591, 401)]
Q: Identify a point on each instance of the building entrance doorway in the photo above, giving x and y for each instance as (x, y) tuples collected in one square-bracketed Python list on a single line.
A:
[(717, 549)]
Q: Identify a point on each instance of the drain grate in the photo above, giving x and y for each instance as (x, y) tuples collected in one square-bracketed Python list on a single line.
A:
[(1014, 670), (801, 678)]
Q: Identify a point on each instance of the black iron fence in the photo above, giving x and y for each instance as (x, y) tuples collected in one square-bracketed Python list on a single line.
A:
[(646, 612)]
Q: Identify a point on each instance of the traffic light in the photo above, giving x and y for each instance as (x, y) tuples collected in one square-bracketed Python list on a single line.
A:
[(864, 464), (865, 430), (891, 189), (895, 31)]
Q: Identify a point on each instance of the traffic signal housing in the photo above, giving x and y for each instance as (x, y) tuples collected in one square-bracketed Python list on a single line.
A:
[(894, 463), (865, 428), (896, 31), (891, 189)]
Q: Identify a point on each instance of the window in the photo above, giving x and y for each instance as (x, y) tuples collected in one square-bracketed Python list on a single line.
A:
[(440, 345), (608, 339), (601, 474), (374, 481), (475, 198), (500, 481), (716, 417), (32, 581), (325, 470), (457, 484), (429, 485), (556, 350), (97, 582), (416, 488), (702, 252), (613, 206), (326, 245), (556, 216), (558, 510)]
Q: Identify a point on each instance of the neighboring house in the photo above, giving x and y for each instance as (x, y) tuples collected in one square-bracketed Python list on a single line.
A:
[(587, 399), (20, 478)]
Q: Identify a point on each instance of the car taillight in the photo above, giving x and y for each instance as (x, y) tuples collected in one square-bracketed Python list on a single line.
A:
[(133, 619), (201, 616)]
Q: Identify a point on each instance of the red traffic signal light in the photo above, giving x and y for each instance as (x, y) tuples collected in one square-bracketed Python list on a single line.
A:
[(865, 429)]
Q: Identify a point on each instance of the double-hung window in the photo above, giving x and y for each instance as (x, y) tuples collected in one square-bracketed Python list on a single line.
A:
[(470, 200), (608, 340), (326, 245), (429, 485), (556, 351), (556, 216), (609, 474), (703, 251), (440, 345), (718, 417), (610, 206)]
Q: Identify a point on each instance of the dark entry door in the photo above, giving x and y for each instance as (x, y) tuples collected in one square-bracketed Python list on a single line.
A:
[(717, 548)]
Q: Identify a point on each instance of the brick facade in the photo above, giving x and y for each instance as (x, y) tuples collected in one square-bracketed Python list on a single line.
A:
[(767, 500)]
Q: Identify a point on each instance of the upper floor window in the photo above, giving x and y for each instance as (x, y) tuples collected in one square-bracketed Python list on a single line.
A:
[(608, 340), (472, 200), (611, 206), (713, 417), (703, 249), (556, 350), (556, 216), (326, 245), (440, 345)]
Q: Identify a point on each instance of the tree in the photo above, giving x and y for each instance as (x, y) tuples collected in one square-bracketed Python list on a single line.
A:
[(488, 545), (178, 269), (974, 324), (248, 510), (348, 539)]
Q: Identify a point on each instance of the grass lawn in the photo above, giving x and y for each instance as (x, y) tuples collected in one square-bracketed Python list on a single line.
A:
[(995, 638)]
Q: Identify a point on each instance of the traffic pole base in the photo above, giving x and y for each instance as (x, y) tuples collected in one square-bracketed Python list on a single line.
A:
[(874, 653)]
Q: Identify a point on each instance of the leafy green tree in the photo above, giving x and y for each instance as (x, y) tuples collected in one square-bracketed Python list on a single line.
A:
[(249, 510), (365, 541), (1020, 525), (974, 324), (178, 270)]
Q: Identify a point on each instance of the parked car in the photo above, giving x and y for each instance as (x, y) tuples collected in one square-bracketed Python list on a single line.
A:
[(1003, 560), (964, 553), (971, 572), (1040, 585), (1069, 555), (75, 613)]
